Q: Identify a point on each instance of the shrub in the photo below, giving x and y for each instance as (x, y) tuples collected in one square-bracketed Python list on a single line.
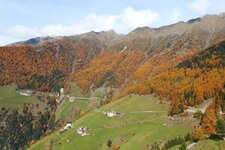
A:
[(220, 126), (215, 137), (109, 143)]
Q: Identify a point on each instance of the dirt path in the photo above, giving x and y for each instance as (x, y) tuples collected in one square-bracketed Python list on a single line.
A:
[(190, 146), (149, 111)]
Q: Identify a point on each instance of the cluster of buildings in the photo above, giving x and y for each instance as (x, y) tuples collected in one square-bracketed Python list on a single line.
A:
[(83, 131), (113, 114), (61, 95), (71, 98), (26, 92)]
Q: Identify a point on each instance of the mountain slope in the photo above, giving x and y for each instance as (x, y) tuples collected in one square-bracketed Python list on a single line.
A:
[(190, 83), (43, 67), (46, 66), (82, 58), (167, 46), (202, 32)]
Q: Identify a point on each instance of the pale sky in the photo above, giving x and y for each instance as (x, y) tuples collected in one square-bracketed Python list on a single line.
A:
[(24, 19)]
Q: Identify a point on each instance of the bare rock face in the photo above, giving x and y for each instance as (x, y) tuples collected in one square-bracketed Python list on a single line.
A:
[(33, 41), (199, 32)]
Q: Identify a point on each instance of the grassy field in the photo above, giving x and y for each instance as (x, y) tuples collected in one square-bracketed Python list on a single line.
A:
[(142, 124), (10, 98), (67, 106), (81, 102), (75, 90), (178, 146), (204, 145), (209, 145)]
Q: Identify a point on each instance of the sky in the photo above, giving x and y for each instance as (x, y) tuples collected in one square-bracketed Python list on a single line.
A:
[(24, 19)]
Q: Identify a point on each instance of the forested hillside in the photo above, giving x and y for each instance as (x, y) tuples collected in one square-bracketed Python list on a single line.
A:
[(109, 68), (44, 68), (189, 83), (93, 60)]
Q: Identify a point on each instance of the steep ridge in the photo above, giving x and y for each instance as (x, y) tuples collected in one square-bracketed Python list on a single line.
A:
[(89, 45), (201, 31), (33, 41)]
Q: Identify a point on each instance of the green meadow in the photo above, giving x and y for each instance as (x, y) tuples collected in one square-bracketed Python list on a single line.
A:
[(11, 99), (144, 122)]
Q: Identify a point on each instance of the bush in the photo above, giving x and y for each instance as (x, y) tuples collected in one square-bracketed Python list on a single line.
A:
[(178, 141), (188, 137), (220, 126), (155, 146), (215, 137), (183, 146), (109, 143)]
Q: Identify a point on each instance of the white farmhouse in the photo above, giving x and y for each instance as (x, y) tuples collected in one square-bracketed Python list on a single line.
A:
[(83, 131), (68, 125), (113, 114), (61, 91), (71, 98), (26, 92)]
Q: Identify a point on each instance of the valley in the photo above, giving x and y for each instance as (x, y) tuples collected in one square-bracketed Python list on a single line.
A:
[(152, 88)]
